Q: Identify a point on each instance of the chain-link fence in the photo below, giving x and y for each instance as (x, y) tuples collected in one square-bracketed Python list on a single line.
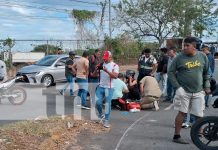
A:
[(129, 57)]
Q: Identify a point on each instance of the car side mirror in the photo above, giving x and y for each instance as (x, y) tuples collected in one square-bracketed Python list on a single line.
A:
[(59, 64)]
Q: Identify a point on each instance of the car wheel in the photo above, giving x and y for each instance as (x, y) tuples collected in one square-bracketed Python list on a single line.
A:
[(47, 80)]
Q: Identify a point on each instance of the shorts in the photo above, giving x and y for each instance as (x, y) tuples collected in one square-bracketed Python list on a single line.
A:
[(193, 103)]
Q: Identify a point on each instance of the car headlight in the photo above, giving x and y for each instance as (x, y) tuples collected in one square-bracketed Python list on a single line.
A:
[(33, 74)]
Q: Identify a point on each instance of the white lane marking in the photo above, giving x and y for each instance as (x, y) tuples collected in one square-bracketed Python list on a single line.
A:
[(128, 129), (169, 107), (134, 123)]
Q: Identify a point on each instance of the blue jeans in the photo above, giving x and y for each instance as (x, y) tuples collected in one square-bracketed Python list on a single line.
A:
[(170, 90), (206, 100), (93, 83), (100, 94), (83, 89), (190, 118), (71, 81)]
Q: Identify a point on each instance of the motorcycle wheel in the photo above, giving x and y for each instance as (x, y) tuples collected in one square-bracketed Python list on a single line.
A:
[(208, 126), (20, 95)]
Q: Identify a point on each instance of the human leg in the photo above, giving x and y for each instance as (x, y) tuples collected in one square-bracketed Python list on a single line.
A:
[(99, 100)]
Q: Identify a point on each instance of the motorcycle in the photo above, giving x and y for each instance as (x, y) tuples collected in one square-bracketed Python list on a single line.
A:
[(204, 133), (15, 94)]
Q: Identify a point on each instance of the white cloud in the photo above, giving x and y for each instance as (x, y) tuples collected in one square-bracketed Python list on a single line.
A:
[(7, 25), (21, 10)]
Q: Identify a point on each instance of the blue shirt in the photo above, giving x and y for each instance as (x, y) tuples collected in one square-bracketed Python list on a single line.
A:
[(119, 86)]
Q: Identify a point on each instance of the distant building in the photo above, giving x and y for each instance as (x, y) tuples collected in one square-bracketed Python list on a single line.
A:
[(26, 57)]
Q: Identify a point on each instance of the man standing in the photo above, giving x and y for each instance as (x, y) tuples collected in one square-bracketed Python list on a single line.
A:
[(161, 74), (69, 74), (94, 60), (108, 72), (189, 74), (211, 60), (59, 51), (81, 67), (170, 90), (147, 65)]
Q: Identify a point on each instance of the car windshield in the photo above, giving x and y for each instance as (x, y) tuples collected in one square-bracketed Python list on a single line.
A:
[(47, 61)]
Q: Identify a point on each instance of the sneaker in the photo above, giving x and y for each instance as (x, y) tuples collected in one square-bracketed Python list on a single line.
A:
[(180, 141), (185, 125), (101, 120), (84, 107), (107, 124), (156, 106)]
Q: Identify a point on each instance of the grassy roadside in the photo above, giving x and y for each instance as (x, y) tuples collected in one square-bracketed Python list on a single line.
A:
[(52, 134)]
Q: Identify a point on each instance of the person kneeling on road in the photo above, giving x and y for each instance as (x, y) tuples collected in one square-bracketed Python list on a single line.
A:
[(150, 93), (120, 88)]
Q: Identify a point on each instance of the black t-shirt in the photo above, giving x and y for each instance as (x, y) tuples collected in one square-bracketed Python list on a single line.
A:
[(163, 60), (68, 71)]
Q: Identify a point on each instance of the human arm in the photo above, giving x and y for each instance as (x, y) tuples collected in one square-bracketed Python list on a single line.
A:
[(154, 67), (206, 76), (73, 68), (125, 88), (131, 82), (114, 73), (172, 74)]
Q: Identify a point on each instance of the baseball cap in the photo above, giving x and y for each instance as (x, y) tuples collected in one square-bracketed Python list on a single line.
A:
[(107, 55), (72, 53)]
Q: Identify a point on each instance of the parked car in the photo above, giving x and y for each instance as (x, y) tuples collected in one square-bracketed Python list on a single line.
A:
[(47, 71)]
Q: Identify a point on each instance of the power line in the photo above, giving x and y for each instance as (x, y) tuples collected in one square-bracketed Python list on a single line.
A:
[(42, 8), (85, 2), (45, 8)]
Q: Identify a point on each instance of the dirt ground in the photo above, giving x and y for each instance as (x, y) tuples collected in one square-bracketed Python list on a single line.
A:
[(123, 68), (55, 133)]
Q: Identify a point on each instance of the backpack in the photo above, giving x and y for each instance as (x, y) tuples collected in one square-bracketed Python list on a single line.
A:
[(129, 106)]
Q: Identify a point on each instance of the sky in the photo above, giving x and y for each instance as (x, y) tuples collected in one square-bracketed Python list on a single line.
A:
[(47, 19), (41, 19)]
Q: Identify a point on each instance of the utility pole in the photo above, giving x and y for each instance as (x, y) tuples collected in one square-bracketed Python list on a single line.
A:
[(110, 18)]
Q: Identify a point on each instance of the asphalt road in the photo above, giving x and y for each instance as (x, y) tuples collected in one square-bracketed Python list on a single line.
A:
[(150, 130)]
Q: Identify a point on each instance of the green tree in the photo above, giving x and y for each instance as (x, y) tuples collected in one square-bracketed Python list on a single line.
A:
[(197, 16), (48, 49), (82, 17), (163, 18), (8, 44)]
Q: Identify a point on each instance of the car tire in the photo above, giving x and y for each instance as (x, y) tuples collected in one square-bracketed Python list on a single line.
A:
[(47, 80)]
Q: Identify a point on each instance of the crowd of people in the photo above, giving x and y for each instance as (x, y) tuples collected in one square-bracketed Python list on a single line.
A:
[(182, 77)]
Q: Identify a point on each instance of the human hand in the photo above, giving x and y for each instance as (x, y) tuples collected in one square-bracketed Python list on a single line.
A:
[(105, 69), (207, 91), (180, 91)]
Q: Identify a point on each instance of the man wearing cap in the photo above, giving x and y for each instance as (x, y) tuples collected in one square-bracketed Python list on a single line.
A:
[(108, 72), (70, 75), (189, 74)]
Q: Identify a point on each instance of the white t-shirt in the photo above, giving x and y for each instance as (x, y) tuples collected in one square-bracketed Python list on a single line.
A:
[(105, 80)]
